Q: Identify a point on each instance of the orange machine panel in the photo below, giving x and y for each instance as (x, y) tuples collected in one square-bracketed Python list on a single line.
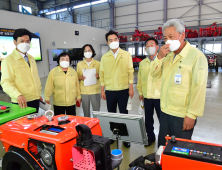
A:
[(34, 134)]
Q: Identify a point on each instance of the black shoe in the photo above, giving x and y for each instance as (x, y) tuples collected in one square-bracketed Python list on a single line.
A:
[(150, 142), (126, 144), (111, 141)]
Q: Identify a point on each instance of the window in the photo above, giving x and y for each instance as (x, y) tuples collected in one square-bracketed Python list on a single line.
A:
[(131, 50), (140, 51), (216, 48), (29, 9)]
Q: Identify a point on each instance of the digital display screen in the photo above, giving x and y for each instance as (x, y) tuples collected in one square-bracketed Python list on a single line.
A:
[(7, 46), (179, 150), (54, 129)]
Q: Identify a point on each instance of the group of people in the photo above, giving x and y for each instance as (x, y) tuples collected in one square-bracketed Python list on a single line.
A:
[(172, 81)]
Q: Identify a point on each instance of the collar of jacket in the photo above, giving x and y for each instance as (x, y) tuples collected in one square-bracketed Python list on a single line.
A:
[(92, 61), (60, 69), (120, 52), (17, 55)]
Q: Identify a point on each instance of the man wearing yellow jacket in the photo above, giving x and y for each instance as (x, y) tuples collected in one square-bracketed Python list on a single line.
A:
[(184, 72), (149, 88), (116, 75), (63, 82), (20, 79)]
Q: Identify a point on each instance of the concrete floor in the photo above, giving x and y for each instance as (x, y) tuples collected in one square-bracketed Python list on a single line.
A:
[(207, 129)]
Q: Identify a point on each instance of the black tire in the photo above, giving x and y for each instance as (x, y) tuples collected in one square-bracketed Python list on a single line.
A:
[(18, 159), (216, 67)]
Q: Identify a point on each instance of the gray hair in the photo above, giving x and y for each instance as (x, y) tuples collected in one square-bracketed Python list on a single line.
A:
[(176, 23)]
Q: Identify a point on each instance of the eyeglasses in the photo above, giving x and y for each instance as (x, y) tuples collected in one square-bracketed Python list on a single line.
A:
[(87, 51)]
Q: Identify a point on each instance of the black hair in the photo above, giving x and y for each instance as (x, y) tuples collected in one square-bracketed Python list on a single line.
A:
[(111, 32), (83, 48), (20, 32), (63, 54), (152, 38)]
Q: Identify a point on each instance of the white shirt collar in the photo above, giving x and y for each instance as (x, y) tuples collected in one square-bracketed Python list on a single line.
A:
[(116, 53), (23, 55)]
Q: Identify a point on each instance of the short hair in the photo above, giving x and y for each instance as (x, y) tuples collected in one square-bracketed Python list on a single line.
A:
[(152, 38), (20, 32), (63, 54), (176, 23), (111, 32), (83, 48)]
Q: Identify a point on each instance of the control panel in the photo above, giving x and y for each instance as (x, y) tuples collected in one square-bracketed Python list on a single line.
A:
[(195, 151)]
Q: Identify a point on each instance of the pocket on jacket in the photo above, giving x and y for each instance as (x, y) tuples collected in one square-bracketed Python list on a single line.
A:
[(123, 79), (58, 96), (73, 96), (26, 89), (108, 80), (176, 101)]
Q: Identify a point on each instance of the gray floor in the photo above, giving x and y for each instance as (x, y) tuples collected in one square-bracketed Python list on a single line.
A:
[(208, 128)]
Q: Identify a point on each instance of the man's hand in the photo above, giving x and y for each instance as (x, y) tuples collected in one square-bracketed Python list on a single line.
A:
[(188, 123), (47, 101), (164, 50), (82, 77), (22, 101), (41, 99), (131, 92), (103, 95), (141, 97), (78, 100), (97, 75)]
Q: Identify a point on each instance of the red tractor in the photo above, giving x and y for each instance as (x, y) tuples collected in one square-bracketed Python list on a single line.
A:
[(191, 33), (212, 62), (211, 31), (122, 38), (158, 34), (139, 36)]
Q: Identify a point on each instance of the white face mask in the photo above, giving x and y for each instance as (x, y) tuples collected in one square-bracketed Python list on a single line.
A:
[(174, 44), (88, 54), (151, 50), (23, 47), (114, 45), (64, 64)]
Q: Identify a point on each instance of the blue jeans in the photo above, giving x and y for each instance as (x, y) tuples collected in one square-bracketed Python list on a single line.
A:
[(172, 125)]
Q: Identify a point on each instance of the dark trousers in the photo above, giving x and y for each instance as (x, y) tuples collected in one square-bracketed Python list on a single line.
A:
[(69, 110), (149, 105), (117, 97), (34, 104), (172, 125)]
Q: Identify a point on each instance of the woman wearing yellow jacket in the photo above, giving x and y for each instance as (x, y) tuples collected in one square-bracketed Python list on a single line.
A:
[(89, 93), (64, 84)]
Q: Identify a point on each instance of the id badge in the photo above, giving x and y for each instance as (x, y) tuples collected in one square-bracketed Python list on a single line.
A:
[(178, 79)]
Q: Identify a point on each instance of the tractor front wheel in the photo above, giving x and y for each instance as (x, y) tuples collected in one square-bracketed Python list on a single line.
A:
[(18, 159)]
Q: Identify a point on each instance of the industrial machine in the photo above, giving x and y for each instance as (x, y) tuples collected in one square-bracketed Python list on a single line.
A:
[(139, 36), (212, 31), (212, 62), (56, 143), (185, 154)]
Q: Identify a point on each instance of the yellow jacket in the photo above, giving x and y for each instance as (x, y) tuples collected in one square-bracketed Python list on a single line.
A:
[(187, 98), (65, 87), (147, 85), (20, 79), (93, 89), (116, 74)]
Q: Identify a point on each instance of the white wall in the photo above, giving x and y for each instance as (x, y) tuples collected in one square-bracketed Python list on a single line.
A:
[(53, 30)]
